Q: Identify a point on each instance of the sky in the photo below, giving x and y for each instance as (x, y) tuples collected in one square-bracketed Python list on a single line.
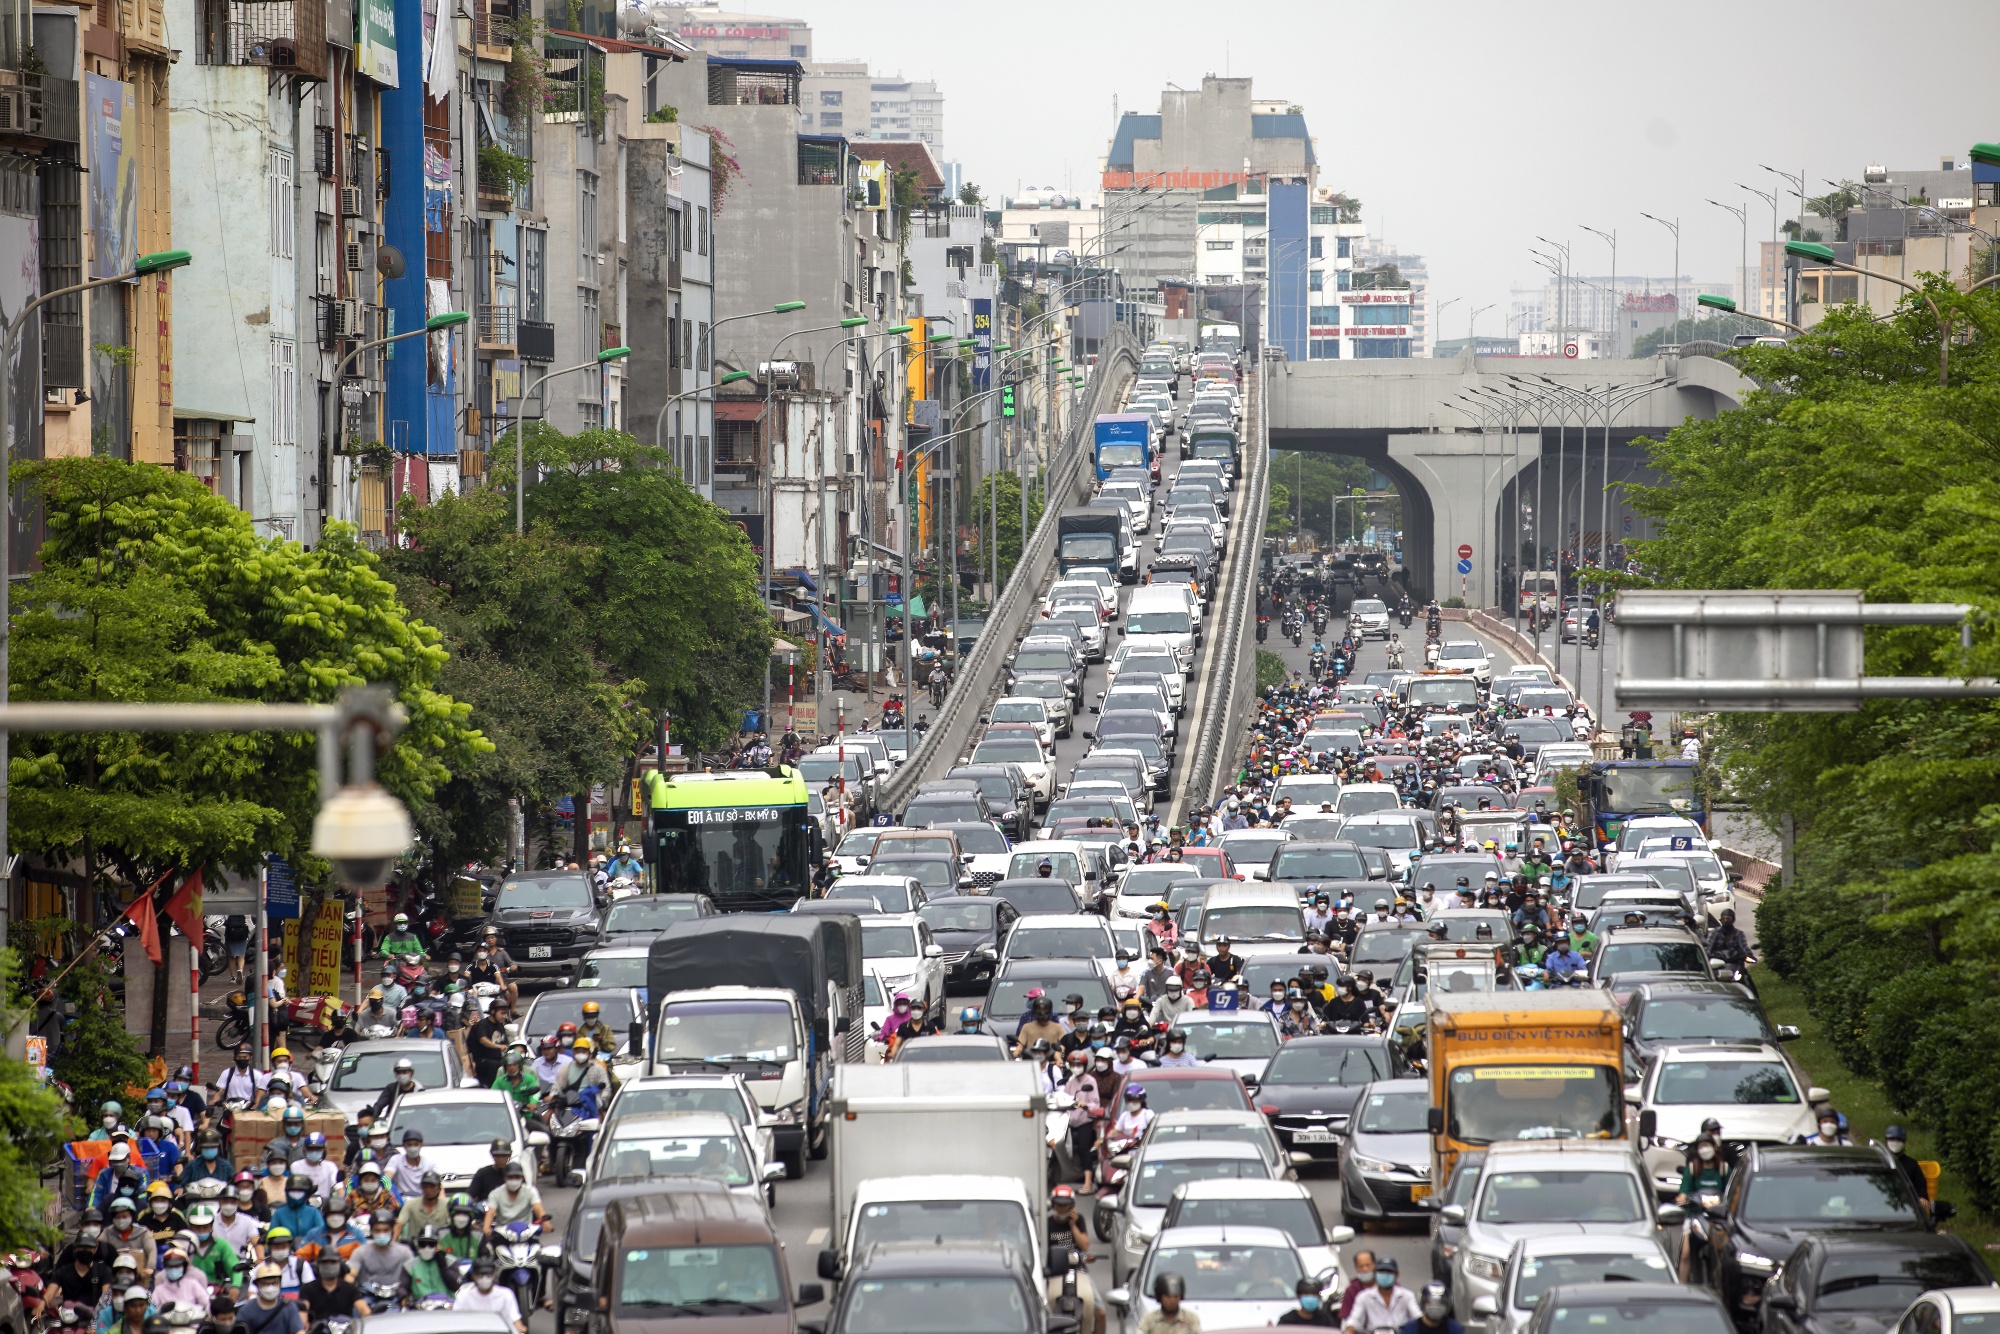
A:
[(1470, 129)]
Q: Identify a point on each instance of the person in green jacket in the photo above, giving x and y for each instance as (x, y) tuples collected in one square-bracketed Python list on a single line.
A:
[(518, 1082), (1706, 1173), (429, 1273), (210, 1254), (462, 1240), (1581, 938)]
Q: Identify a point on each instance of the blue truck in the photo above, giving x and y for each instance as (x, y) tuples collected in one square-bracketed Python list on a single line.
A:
[(1123, 440)]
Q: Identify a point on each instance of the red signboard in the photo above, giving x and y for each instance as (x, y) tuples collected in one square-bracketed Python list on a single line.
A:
[(1465, 551)]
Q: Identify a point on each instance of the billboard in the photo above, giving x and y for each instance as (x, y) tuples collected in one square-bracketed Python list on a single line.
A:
[(114, 174), (874, 186), (375, 40), (982, 335)]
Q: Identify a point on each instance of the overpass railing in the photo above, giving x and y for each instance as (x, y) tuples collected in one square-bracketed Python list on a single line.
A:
[(985, 667)]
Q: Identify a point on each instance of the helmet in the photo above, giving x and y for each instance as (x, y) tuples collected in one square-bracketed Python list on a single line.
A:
[(1169, 1284), (1386, 1264), (295, 1113), (590, 1009), (156, 1093), (1436, 1301), (585, 1045), (1135, 1092), (160, 1190), (112, 1109), (1063, 1194)]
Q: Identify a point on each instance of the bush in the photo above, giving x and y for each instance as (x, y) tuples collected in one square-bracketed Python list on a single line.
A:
[(98, 1059), (1270, 671)]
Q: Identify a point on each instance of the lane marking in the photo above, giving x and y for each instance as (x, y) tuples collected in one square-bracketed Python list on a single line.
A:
[(816, 1237)]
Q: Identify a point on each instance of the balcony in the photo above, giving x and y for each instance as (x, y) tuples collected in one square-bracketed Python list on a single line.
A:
[(497, 329), (493, 29), (38, 106), (613, 336), (288, 36)]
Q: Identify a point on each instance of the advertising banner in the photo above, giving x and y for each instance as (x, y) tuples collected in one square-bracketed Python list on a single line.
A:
[(281, 890), (114, 174), (982, 334), (326, 950), (375, 40), (875, 190)]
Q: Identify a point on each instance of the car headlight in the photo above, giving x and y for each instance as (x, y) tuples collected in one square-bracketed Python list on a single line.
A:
[(1483, 1266), (1363, 1163), (1752, 1263)]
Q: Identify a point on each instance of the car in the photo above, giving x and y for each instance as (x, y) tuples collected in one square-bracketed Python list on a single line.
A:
[(459, 1126), (1194, 1088), (1248, 1202), (621, 1009), (1006, 1006), (908, 959), (1058, 936), (1863, 1284), (1657, 950), (717, 1091), (637, 919), (854, 852), (1641, 1308), (1310, 1087), (912, 1287), (711, 1145), (934, 873), (1253, 849), (572, 1278), (1089, 626), (1237, 1277), (854, 771), (1025, 709), (1466, 655), (1243, 1041), (1035, 895), (1371, 616), (1446, 1236), (619, 966), (1537, 1264), (954, 1047), (1393, 832), (1779, 1195), (1528, 1186), (969, 929), (1675, 873), (1130, 1219), (1019, 749), (1267, 918), (1677, 1013), (1008, 794), (1385, 1165), (1642, 827), (1384, 945), (1052, 691), (953, 806), (368, 1067), (1231, 1125), (434, 1322), (547, 920), (1973, 1310)]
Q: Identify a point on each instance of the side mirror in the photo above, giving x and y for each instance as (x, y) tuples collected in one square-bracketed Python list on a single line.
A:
[(937, 951), (1720, 970), (470, 1082), (1775, 1298), (1434, 1120), (1817, 1095), (1671, 1215), (1786, 1032), (843, 1024), (1119, 1297), (1943, 1211), (1339, 1236), (1453, 1214), (1485, 1307), (811, 1294), (538, 1139), (1649, 1123), (829, 1265), (1735, 877), (774, 1171), (984, 719), (1632, 1098)]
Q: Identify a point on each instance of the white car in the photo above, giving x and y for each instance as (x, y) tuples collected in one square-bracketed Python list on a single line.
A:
[(1150, 699), (1540, 1263), (1642, 827), (1239, 1040), (459, 1127), (1025, 709), (1136, 498), (1150, 655), (683, 1144), (1235, 1202), (1058, 936), (726, 1094), (1078, 590), (1555, 756), (902, 951), (1089, 625), (1237, 1277), (1751, 1087), (855, 851), (1371, 616), (1022, 749), (1466, 655), (1252, 849)]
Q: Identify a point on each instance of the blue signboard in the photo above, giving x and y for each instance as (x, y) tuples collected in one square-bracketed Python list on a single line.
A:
[(1465, 567), (982, 334), (281, 890)]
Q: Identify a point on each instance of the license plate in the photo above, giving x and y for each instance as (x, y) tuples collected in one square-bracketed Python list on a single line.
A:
[(541, 951), (1314, 1137), (1420, 1191)]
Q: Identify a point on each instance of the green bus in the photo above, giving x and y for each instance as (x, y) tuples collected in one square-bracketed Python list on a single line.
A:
[(744, 837)]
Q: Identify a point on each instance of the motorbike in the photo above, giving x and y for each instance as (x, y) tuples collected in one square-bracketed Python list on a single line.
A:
[(1396, 659), (1298, 636), (411, 968), (237, 1021), (1317, 665), (1263, 628), (938, 687), (1055, 1128), (1319, 622), (24, 1273), (483, 994), (383, 1297), (517, 1250), (573, 1126), (623, 887), (1430, 655)]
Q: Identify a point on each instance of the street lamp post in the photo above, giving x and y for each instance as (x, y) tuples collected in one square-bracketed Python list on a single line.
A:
[(609, 355), (1742, 212), (659, 418), (1617, 320), (1675, 228), (1728, 307), (703, 353), (1823, 255)]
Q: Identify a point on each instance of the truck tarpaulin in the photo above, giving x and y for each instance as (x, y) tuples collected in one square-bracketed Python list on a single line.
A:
[(818, 959)]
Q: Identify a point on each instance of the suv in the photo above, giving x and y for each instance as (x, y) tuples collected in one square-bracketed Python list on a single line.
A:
[(548, 920), (1654, 950), (1751, 1087), (1780, 1194), (927, 1285), (1526, 1186), (1674, 1013)]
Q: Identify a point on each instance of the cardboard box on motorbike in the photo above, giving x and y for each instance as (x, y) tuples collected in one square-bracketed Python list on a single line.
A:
[(255, 1130)]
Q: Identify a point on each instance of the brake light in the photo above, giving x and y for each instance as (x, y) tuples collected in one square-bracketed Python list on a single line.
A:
[(1268, 1109)]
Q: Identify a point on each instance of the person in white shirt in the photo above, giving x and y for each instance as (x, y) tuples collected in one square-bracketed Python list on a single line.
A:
[(550, 1063), (1387, 1305), (1177, 1055), (485, 1294), (408, 1167)]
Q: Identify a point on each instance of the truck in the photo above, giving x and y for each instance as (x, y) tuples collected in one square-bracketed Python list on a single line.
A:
[(1614, 791), (917, 1137), (1508, 1065), (1122, 440), (776, 999), (1225, 338), (1089, 537)]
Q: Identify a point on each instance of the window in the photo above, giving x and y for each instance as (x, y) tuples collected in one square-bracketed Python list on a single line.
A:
[(829, 120), (1221, 245), (589, 335), (687, 343), (707, 365), (534, 274), (284, 396), (1313, 281), (1842, 287), (830, 97), (701, 228), (278, 173), (1808, 289), (1314, 249), (1398, 313), (586, 217), (1324, 349), (1341, 247), (1377, 348), (798, 52), (687, 230)]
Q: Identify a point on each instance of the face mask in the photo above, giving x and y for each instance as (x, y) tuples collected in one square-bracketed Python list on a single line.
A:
[(210, 1155), (228, 1208), (1435, 1310), (1177, 1047), (1309, 1302), (110, 1123), (296, 1196), (335, 1222), (280, 1254), (484, 1282), (416, 1151), (243, 1063), (380, 1238), (174, 1273), (267, 1293), (1707, 1154), (461, 1221), (315, 1155), (202, 1234), (427, 1252), (1385, 1280), (160, 1207), (280, 1067), (1894, 1145), (1829, 1129)]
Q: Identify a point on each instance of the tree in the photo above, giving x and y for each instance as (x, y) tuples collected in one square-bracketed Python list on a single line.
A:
[(1004, 491), (971, 195), (1713, 328), (96, 1057), (1278, 519), (152, 588), (33, 1126), (1834, 203)]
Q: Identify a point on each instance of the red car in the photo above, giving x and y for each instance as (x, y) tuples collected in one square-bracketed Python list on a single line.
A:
[(1212, 860)]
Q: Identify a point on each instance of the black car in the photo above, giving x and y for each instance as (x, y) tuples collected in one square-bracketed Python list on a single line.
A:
[(1861, 1285), (1779, 1195), (570, 1281), (1673, 1013), (1006, 1004), (918, 1287), (1445, 1237), (969, 928), (636, 920), (547, 919), (1382, 946), (1011, 801), (935, 808), (1309, 1088), (1034, 896), (1634, 1308)]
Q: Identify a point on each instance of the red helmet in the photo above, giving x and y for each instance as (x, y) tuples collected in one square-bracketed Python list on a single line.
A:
[(567, 1032)]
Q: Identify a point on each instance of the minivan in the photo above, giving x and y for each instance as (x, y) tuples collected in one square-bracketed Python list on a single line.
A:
[(697, 1256)]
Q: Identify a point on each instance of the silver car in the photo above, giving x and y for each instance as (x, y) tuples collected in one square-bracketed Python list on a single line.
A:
[(1134, 1214), (1537, 1188), (367, 1068), (1540, 1263)]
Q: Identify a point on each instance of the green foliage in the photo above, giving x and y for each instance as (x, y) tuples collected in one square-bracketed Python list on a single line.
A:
[(152, 588), (1270, 671), (1278, 519), (502, 170), (664, 116), (971, 195), (1715, 328), (1836, 201), (1004, 490), (1853, 469), (33, 1127), (1314, 479), (98, 1059)]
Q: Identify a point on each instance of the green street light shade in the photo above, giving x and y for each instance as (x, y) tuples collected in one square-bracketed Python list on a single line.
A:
[(854, 321), (902, 329), (787, 307), (733, 377), (160, 261), (448, 319), (1715, 302), (613, 354), (1986, 155), (939, 338), (1003, 347), (1810, 250)]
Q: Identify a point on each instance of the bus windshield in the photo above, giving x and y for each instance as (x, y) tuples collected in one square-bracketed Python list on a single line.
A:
[(749, 858), (1662, 790)]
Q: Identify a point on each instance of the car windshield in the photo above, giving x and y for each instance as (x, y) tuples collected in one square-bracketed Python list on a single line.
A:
[(1225, 1273), (372, 1070), (1062, 866), (1009, 997), (1047, 896), (1398, 834), (1193, 1095), (1134, 697), (1461, 652), (1318, 864), (706, 1280), (1378, 947), (650, 912), (1157, 623), (1444, 690), (1640, 1317), (936, 874), (893, 896), (1861, 1195), (1885, 1284), (1060, 942), (612, 970), (930, 810), (1309, 792), (720, 1098), (925, 1305), (950, 916), (1395, 1113), (1501, 1102), (1044, 659), (1235, 1041), (1752, 1082), (1652, 956), (1291, 1214), (1560, 1196), (1648, 791), (1673, 874), (987, 1222), (756, 1031), (1158, 1180), (1298, 1063), (1001, 750), (912, 843), (552, 1009), (1020, 711), (454, 1122), (1539, 1273), (642, 1151), (570, 891), (1253, 923), (888, 942)]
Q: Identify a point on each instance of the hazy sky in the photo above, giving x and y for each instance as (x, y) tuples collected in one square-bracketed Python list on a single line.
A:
[(1467, 129)]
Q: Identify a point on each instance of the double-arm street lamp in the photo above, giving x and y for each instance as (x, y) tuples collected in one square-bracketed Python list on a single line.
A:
[(1728, 307), (1822, 255)]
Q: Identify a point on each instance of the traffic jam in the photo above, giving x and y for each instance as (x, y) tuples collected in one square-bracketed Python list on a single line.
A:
[(1437, 1005)]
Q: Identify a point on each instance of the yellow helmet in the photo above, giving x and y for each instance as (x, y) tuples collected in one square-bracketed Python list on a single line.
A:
[(281, 1053), (584, 1045)]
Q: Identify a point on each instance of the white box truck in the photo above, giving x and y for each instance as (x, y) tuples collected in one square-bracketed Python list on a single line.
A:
[(951, 1121)]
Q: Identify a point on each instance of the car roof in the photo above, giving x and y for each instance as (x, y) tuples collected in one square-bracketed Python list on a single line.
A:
[(1514, 1153), (1590, 1243), (1243, 1188), (1216, 1116), (619, 952), (675, 1123), (369, 1045), (1692, 986), (435, 1322), (1219, 1017), (1031, 968), (1870, 1242), (449, 1097), (1044, 921), (692, 1079), (1169, 1075), (1621, 1294), (1740, 1051), (1169, 1150), (890, 1258), (1234, 1235), (1809, 1158), (1651, 934)]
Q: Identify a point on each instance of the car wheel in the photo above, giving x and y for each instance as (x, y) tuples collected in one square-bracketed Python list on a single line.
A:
[(795, 1162)]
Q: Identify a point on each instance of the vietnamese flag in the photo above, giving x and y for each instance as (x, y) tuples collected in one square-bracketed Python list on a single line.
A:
[(183, 909), (140, 914)]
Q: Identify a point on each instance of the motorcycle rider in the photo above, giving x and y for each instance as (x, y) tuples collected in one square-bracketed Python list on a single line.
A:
[(269, 1313), (1705, 1173), (237, 1225), (549, 1065), (1177, 1056), (394, 994), (1832, 1129), (402, 943), (1435, 1305), (405, 1081), (520, 1083), (585, 1072), (381, 1261), (1311, 1310), (369, 1194), (625, 865), (1387, 1305), (332, 1295), (1564, 963), (1041, 1024), (1168, 1290), (1727, 942), (426, 1211), (462, 1241), (124, 1176), (1895, 1140), (430, 1273), (515, 1201), (484, 1293), (126, 1235), (1068, 1228), (297, 1213)]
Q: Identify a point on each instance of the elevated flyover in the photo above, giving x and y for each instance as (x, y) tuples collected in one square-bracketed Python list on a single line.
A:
[(1482, 448)]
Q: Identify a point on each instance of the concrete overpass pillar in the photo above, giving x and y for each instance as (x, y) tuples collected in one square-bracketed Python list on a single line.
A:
[(1462, 473)]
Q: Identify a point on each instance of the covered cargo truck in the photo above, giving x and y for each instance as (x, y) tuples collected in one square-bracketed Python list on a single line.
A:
[(1122, 440)]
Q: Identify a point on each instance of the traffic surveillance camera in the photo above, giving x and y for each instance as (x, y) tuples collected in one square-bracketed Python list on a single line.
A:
[(362, 830)]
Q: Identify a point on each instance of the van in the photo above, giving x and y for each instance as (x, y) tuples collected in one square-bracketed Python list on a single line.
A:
[(1251, 915), (698, 1254)]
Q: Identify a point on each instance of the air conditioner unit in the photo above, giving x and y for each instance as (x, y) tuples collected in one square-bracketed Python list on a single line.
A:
[(350, 201), (347, 314), (354, 264), (21, 110)]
